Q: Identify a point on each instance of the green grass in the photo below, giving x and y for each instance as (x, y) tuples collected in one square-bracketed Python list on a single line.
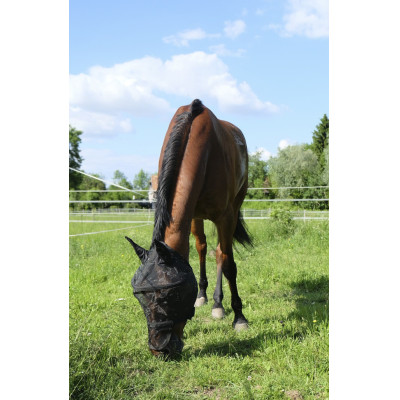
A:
[(283, 283)]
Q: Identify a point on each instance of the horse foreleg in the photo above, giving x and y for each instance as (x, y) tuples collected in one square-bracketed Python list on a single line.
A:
[(197, 229), (218, 310)]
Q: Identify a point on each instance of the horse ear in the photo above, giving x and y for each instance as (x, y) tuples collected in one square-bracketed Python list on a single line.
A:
[(163, 251), (140, 251)]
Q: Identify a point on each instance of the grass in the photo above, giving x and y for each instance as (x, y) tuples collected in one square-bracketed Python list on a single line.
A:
[(283, 283)]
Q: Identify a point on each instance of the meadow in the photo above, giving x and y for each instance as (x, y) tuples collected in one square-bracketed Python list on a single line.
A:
[(283, 282)]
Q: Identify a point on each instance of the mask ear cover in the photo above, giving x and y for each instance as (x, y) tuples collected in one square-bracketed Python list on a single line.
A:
[(140, 251), (164, 251)]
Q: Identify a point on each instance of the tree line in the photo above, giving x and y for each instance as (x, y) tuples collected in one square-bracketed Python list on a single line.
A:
[(93, 187), (300, 165)]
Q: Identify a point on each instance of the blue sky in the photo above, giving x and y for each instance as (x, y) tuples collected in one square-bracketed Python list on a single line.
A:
[(262, 65)]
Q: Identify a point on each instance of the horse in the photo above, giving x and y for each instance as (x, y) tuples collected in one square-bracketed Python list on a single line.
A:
[(202, 174)]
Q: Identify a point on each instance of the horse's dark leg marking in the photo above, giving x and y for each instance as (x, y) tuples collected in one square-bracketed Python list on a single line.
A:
[(227, 264), (197, 229)]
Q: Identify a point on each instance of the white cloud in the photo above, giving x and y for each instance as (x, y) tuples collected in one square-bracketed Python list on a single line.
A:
[(221, 50), (130, 88), (234, 28), (107, 161), (182, 38), (284, 143), (265, 154), (98, 124), (308, 18), (121, 88)]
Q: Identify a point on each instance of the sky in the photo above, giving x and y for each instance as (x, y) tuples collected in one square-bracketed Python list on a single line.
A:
[(262, 65)]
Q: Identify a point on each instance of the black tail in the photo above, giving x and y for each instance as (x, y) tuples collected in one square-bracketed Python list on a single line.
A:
[(241, 234), (170, 167)]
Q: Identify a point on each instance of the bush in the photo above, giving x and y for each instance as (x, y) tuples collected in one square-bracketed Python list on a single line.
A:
[(283, 221)]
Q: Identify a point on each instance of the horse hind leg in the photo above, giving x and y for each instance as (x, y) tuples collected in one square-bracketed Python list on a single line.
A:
[(226, 263), (197, 229), (230, 272)]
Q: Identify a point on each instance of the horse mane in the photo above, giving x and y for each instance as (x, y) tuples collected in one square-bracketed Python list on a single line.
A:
[(173, 156)]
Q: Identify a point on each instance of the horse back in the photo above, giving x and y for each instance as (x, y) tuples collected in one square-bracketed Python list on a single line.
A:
[(225, 164)]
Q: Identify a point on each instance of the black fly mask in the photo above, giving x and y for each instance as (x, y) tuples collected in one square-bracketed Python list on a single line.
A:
[(166, 288)]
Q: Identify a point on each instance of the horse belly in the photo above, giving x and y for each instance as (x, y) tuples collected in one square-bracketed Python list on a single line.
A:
[(215, 197)]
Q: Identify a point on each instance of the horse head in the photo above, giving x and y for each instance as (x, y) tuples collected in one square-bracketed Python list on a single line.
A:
[(166, 289)]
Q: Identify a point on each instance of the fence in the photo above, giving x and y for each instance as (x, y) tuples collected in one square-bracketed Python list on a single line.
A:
[(134, 216), (139, 216)]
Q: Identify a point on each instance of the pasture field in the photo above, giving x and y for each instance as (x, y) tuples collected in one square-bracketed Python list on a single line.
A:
[(283, 282)]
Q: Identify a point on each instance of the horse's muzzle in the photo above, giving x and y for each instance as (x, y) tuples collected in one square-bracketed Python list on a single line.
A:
[(172, 349), (165, 340)]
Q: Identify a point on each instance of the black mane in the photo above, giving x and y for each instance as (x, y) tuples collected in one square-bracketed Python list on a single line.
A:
[(170, 166)]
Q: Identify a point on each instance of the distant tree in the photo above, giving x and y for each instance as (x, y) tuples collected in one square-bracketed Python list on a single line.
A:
[(75, 160), (320, 139), (294, 166), (89, 183), (325, 170), (120, 179), (257, 175), (141, 180)]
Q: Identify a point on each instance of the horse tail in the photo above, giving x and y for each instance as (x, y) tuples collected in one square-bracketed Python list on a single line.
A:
[(172, 160), (241, 233)]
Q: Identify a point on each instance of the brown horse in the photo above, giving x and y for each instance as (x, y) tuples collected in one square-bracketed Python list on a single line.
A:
[(202, 175)]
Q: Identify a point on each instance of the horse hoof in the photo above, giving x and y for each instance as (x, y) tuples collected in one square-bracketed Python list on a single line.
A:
[(218, 313), (241, 326), (200, 301)]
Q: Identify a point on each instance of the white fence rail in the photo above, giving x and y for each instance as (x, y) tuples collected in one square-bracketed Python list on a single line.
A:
[(135, 218), (296, 214), (123, 215)]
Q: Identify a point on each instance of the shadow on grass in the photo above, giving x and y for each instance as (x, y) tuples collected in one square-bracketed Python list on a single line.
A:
[(306, 285), (230, 347), (312, 300)]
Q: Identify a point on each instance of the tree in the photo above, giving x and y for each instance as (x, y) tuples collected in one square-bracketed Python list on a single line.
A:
[(257, 174), (75, 160), (321, 139), (294, 166), (89, 183), (120, 179), (325, 171), (141, 180)]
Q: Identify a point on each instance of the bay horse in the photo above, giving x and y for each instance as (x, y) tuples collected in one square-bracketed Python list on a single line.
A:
[(203, 170)]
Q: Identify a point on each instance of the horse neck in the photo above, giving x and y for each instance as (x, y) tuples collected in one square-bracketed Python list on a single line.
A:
[(178, 231), (181, 176)]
